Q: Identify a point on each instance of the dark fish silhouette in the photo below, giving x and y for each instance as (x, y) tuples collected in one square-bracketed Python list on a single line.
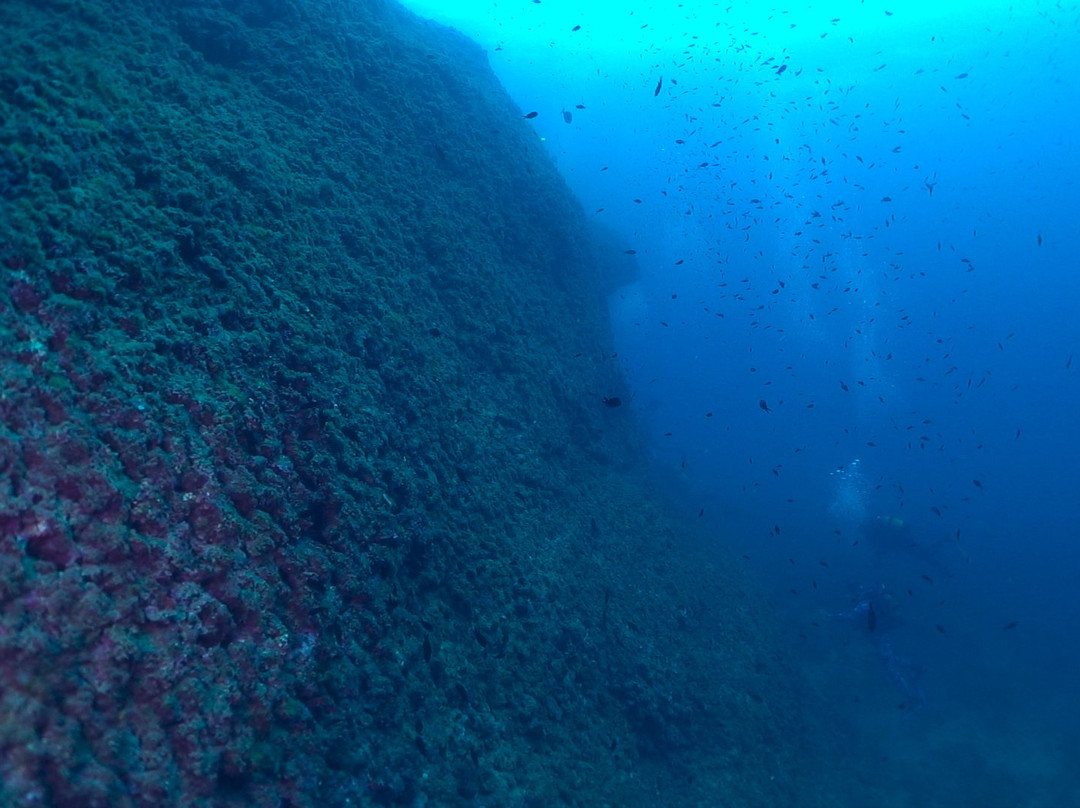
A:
[(764, 405), (613, 401), (659, 84), (567, 116), (530, 114)]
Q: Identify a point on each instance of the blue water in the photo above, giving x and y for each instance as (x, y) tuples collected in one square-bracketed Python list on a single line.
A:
[(854, 343)]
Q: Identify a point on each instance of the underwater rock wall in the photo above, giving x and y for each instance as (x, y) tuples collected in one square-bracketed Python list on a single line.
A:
[(307, 494)]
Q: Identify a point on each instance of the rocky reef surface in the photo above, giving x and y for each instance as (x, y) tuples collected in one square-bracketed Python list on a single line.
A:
[(307, 496)]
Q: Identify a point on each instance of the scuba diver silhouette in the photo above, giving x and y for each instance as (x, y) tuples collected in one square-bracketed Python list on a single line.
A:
[(891, 539), (875, 613)]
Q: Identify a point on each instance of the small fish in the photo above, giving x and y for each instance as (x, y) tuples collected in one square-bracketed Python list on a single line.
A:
[(576, 28), (568, 116), (927, 578), (659, 84), (764, 405), (701, 513), (780, 70), (1011, 626), (530, 115), (613, 401), (940, 628)]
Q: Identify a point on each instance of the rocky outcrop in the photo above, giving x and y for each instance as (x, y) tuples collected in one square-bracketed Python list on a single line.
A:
[(308, 496)]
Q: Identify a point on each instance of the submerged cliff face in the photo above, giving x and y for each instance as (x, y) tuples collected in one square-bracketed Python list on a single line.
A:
[(308, 496)]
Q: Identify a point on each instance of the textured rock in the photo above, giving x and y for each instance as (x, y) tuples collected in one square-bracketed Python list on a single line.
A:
[(308, 497)]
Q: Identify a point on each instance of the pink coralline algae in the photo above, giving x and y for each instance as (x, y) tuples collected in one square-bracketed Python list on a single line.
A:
[(155, 639)]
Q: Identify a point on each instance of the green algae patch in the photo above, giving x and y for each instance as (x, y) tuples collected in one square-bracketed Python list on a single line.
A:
[(310, 497)]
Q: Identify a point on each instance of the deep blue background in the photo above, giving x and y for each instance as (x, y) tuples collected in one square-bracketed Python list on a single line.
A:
[(878, 241)]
